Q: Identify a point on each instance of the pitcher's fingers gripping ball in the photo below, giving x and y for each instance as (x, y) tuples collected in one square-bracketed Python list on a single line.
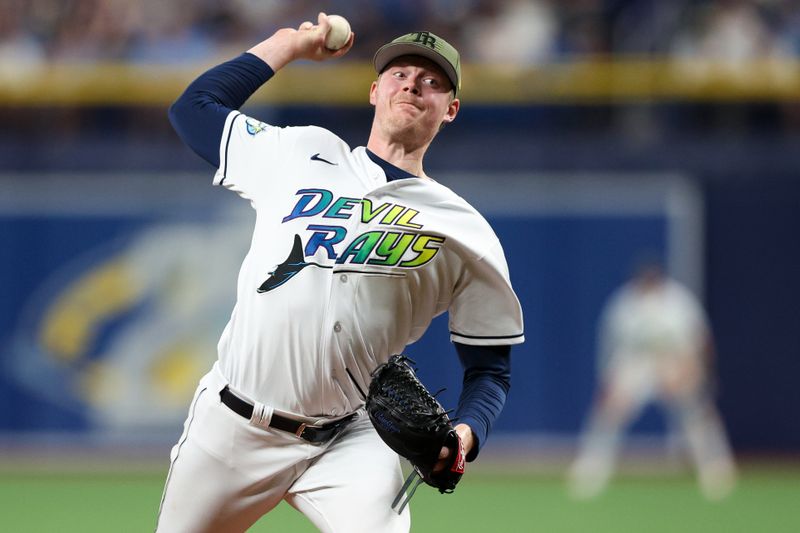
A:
[(413, 424), (339, 32)]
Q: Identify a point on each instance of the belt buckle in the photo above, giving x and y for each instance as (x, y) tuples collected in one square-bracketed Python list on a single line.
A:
[(300, 430)]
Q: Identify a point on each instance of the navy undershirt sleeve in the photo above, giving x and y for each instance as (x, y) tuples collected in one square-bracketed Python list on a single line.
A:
[(487, 378), (199, 114)]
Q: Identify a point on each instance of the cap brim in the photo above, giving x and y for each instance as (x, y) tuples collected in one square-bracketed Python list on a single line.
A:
[(391, 51)]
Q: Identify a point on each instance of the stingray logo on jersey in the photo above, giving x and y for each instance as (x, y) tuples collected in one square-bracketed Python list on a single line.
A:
[(254, 127), (395, 242), (287, 270)]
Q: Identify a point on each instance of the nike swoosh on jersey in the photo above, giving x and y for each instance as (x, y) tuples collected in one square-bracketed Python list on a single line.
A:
[(287, 270), (316, 157)]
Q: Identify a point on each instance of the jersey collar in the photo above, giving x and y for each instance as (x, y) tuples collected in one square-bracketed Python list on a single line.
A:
[(392, 172)]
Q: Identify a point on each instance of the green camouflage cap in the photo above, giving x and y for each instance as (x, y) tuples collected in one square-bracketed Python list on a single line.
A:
[(425, 44)]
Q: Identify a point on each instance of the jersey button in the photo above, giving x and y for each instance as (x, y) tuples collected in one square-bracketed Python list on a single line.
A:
[(343, 278), (337, 327)]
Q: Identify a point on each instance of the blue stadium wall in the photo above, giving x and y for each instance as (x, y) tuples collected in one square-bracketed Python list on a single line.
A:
[(563, 266)]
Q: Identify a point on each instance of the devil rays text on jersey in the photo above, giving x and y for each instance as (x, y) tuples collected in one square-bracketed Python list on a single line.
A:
[(405, 249)]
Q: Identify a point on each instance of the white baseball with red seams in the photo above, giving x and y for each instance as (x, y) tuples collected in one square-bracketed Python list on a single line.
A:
[(339, 32)]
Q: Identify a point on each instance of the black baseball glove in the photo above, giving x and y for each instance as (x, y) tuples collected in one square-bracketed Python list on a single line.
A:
[(413, 424)]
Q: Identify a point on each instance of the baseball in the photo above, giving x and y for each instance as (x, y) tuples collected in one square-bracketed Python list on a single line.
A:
[(339, 32)]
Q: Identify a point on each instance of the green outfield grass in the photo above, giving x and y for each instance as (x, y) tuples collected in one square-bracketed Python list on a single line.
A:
[(766, 501)]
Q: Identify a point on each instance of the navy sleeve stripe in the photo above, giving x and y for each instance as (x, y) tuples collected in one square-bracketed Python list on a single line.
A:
[(518, 335), (227, 144)]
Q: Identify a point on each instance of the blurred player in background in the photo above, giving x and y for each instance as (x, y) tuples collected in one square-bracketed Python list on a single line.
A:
[(654, 345)]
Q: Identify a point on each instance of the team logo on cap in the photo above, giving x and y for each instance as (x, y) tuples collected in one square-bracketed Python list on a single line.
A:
[(425, 38)]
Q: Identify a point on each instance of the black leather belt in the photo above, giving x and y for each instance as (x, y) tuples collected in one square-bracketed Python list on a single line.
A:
[(315, 434)]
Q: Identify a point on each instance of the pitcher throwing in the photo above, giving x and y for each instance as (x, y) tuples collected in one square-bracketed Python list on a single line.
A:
[(354, 252)]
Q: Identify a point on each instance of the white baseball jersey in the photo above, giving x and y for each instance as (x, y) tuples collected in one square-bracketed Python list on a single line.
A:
[(346, 268)]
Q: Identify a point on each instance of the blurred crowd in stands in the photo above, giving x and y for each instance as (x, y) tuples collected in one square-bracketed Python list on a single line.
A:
[(498, 31)]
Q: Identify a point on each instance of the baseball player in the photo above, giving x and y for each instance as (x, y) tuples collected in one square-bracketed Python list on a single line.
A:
[(655, 345), (353, 253)]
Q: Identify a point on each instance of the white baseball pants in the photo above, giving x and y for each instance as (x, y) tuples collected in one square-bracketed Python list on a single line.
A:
[(225, 474)]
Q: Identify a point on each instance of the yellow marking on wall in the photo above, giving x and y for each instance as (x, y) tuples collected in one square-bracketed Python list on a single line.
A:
[(174, 373), (71, 323)]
